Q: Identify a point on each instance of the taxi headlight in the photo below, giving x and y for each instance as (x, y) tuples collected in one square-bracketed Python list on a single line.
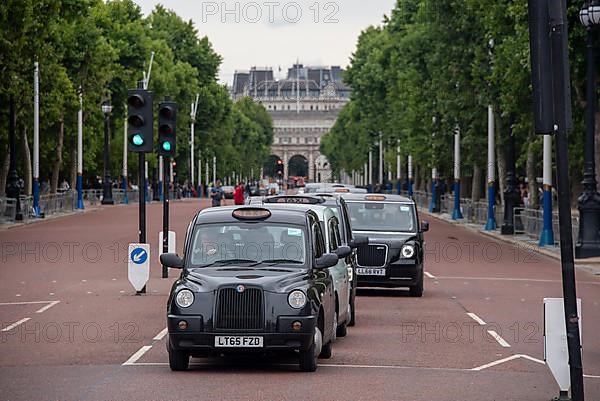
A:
[(297, 299), (408, 251), (184, 298)]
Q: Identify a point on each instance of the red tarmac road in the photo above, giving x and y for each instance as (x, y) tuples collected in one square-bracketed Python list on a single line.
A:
[(72, 329)]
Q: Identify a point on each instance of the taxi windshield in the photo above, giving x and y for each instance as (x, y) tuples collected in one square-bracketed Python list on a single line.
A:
[(382, 216), (248, 244)]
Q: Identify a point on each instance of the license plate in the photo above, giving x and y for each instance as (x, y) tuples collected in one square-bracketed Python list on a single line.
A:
[(366, 271), (239, 341)]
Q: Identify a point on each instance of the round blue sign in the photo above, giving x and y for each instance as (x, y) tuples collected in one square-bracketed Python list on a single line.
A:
[(139, 256)]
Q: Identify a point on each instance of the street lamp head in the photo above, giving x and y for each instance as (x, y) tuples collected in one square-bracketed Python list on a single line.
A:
[(584, 16), (594, 13), (106, 107)]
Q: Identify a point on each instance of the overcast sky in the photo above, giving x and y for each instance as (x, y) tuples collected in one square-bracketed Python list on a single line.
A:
[(274, 33)]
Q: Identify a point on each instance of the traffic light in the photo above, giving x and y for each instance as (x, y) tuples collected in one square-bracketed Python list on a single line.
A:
[(140, 121), (280, 167), (167, 122)]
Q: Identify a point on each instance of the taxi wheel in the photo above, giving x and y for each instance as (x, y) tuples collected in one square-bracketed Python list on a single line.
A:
[(342, 329), (327, 349), (309, 356), (352, 321), (416, 290), (178, 360)]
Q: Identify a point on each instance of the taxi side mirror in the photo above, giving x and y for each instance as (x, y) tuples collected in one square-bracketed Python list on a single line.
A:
[(358, 241), (343, 251), (424, 226), (327, 260), (171, 260)]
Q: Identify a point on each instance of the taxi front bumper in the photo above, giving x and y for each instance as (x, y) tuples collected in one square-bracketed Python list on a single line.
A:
[(197, 339)]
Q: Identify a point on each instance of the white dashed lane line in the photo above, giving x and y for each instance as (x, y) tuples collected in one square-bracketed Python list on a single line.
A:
[(140, 352), (430, 275), (476, 318), (43, 309), (160, 335), (15, 324), (498, 338)]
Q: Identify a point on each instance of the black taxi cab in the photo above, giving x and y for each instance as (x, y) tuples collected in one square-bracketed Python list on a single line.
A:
[(253, 280), (395, 254), (338, 206)]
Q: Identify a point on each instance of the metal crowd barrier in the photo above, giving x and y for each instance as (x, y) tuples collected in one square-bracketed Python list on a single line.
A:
[(8, 210)]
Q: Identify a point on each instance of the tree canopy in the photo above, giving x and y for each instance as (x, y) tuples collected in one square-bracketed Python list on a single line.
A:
[(100, 49), (433, 66)]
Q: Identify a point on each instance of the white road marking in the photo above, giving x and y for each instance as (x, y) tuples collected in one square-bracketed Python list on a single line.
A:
[(476, 318), (510, 358), (591, 376), (140, 352), (161, 335), (45, 308), (132, 360), (430, 275), (17, 295), (24, 303), (533, 280), (497, 337), (15, 324)]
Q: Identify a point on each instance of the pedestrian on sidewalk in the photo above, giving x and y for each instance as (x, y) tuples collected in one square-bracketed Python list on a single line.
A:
[(216, 193), (238, 194)]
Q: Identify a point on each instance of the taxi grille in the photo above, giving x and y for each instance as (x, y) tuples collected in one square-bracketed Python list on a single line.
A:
[(239, 310), (372, 255)]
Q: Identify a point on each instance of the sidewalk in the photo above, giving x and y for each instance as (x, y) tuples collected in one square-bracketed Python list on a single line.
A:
[(34, 220), (591, 265)]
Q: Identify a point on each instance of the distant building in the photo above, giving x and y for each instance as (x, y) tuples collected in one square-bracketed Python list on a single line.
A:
[(304, 106)]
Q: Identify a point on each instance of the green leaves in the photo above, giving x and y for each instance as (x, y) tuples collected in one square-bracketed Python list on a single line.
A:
[(449, 59), (102, 48)]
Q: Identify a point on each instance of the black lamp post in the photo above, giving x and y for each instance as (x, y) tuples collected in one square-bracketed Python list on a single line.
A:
[(107, 198), (512, 197), (588, 242)]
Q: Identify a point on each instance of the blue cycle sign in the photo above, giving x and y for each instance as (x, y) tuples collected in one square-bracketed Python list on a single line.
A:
[(139, 256), (138, 265)]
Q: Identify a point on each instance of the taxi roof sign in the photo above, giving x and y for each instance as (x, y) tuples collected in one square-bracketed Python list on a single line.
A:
[(248, 213), (375, 197), (342, 190), (306, 200)]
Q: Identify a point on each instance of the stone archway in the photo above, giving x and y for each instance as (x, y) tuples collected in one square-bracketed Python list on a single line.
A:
[(298, 166)]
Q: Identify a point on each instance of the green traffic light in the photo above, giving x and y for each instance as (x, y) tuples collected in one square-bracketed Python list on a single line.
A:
[(137, 140), (166, 146)]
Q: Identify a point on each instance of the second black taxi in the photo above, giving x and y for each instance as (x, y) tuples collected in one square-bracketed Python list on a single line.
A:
[(395, 254)]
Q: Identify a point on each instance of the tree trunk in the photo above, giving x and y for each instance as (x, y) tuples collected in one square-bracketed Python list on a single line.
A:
[(4, 174), (532, 186), (73, 181), (500, 159), (416, 180), (476, 186), (597, 144), (27, 170), (58, 160)]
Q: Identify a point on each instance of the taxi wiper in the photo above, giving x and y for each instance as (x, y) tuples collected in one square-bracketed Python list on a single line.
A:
[(227, 262), (277, 261)]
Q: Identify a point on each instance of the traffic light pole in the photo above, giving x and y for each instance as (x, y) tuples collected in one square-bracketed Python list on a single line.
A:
[(142, 202), (560, 75), (165, 244)]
